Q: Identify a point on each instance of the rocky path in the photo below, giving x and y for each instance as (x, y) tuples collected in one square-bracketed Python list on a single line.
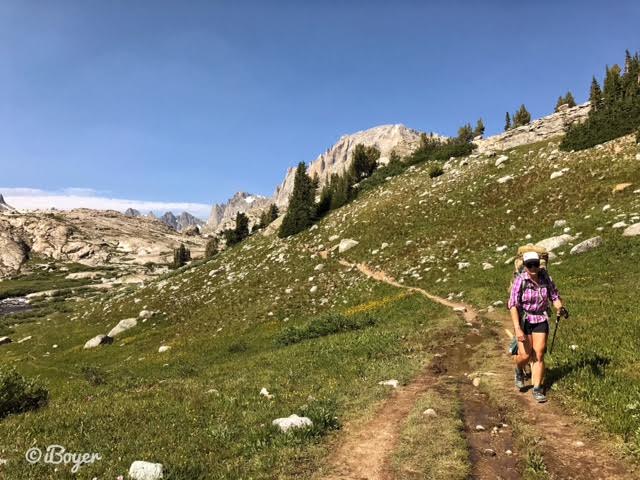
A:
[(365, 451)]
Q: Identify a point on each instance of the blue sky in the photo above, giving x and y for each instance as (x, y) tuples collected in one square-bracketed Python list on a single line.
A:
[(192, 101)]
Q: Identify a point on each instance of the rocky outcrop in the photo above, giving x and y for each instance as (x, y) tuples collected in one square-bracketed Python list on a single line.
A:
[(223, 215), (386, 138), (4, 207), (90, 237), (132, 212), (536, 131)]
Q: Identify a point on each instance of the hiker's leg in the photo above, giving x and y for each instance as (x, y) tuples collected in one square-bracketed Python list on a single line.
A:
[(539, 342), (524, 352)]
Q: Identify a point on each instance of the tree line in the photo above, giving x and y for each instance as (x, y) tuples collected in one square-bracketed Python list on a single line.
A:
[(615, 107)]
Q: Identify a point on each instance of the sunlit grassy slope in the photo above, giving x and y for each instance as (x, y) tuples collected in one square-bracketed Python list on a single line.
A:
[(196, 408)]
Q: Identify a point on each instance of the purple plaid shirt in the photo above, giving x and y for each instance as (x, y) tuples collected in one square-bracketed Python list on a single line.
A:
[(534, 299)]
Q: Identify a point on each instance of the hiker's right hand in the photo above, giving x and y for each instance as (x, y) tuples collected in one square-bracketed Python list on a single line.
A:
[(520, 335)]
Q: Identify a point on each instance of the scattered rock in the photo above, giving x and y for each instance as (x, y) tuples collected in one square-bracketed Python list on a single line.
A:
[(346, 244), (500, 160), (501, 248), (508, 452), (292, 421), (390, 383), (164, 348), (141, 470), (552, 243), (559, 223), (463, 265), (578, 444), (313, 289), (619, 225), (265, 393), (24, 339), (145, 314), (632, 230), (587, 245), (333, 238), (480, 428), (505, 179), (486, 266), (5, 340), (98, 340), (476, 382), (430, 412), (556, 174), (319, 267), (489, 452), (606, 207), (122, 326), (621, 187)]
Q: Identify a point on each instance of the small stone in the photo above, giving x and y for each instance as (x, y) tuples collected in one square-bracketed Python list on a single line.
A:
[(346, 244), (5, 340), (145, 314), (292, 421), (98, 340), (486, 266), (313, 289), (140, 470), (430, 412), (489, 452), (508, 452), (556, 174), (164, 348), (476, 382), (578, 444), (480, 428), (390, 383)]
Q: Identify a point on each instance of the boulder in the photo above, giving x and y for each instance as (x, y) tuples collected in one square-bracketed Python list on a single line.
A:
[(292, 421), (346, 244), (145, 314), (122, 326), (619, 225), (552, 243), (486, 266), (141, 470), (587, 245), (463, 265), (98, 340), (5, 340), (632, 230), (559, 223), (500, 160), (556, 174), (505, 179), (164, 348)]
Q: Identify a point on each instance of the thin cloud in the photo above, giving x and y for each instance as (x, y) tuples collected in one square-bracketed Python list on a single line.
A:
[(69, 198)]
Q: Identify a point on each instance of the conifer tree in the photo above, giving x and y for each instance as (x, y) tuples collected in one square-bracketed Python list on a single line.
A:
[(507, 122), (612, 87), (211, 248), (301, 212), (569, 100), (181, 256), (479, 130), (364, 161), (595, 95), (465, 133), (521, 117)]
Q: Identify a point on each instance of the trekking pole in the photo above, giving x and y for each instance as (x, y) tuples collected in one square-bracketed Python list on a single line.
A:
[(555, 330)]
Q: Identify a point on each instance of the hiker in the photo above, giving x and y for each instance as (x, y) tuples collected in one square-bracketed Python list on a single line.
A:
[(528, 303)]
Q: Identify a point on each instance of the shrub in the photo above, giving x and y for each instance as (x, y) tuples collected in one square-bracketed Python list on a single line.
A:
[(323, 414), (181, 256), (18, 395), (435, 170), (212, 247), (94, 375), (322, 326)]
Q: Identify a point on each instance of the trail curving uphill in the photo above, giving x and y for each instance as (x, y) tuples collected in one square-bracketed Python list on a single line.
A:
[(366, 449)]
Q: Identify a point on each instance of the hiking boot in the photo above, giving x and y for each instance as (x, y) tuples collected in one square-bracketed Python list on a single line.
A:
[(538, 395), (519, 379)]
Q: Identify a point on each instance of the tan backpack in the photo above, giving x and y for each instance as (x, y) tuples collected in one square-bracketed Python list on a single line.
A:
[(518, 264)]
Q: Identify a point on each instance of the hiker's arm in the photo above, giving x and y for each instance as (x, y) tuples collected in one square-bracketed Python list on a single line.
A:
[(555, 296), (514, 303)]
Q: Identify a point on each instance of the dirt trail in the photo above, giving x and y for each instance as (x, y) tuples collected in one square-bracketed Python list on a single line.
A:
[(366, 449)]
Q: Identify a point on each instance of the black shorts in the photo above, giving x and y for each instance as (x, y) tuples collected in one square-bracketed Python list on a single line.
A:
[(529, 328)]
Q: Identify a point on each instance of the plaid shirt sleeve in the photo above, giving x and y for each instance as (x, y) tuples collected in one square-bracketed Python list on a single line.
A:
[(514, 298), (553, 290)]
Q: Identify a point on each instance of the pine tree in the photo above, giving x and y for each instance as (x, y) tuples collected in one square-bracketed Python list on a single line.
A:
[(521, 117), (479, 130), (465, 133), (595, 95), (569, 100), (242, 226), (612, 87), (211, 248), (507, 122), (181, 256), (364, 162), (301, 212), (324, 203), (559, 103)]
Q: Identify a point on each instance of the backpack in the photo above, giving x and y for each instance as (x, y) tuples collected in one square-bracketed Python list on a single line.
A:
[(518, 263)]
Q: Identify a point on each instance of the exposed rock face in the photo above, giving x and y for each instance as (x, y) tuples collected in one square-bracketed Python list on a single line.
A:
[(536, 131), (338, 158), (185, 219), (4, 207), (90, 237), (132, 212), (170, 220), (224, 215)]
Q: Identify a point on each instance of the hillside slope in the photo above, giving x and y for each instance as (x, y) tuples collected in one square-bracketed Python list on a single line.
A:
[(197, 408)]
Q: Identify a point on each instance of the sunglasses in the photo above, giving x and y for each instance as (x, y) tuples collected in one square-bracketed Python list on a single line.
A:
[(532, 263)]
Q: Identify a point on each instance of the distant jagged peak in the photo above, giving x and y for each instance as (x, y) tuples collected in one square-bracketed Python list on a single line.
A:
[(4, 206), (132, 212), (223, 213)]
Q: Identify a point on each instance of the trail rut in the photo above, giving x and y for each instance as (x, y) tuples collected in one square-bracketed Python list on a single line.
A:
[(366, 450)]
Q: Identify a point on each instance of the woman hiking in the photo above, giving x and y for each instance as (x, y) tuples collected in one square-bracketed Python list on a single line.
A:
[(529, 306)]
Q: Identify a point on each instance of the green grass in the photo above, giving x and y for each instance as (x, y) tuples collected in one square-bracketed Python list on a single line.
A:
[(196, 408)]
